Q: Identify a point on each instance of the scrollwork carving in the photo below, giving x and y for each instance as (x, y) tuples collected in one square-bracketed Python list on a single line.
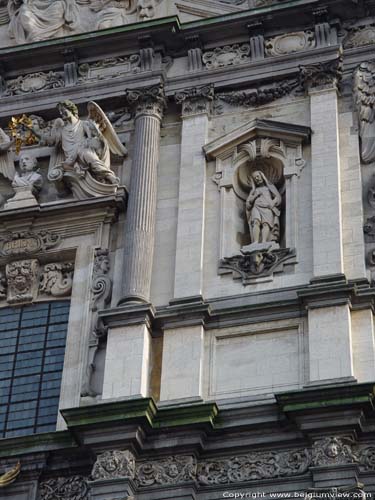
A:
[(109, 68), (255, 264), (226, 56), (102, 284), (168, 471), (27, 242), (64, 488), (253, 466), (34, 82), (57, 279), (114, 464), (289, 43)]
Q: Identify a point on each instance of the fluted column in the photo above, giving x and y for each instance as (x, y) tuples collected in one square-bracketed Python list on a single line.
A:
[(140, 226)]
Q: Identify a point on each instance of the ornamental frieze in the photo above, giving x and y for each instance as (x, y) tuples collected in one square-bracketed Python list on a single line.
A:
[(183, 469)]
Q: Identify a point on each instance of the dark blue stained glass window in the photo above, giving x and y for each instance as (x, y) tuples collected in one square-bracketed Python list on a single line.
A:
[(32, 347)]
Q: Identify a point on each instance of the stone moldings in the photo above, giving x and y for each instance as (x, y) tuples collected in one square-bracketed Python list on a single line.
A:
[(64, 488), (289, 43), (114, 464), (229, 55)]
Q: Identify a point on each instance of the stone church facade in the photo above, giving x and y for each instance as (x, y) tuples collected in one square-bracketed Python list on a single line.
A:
[(187, 249)]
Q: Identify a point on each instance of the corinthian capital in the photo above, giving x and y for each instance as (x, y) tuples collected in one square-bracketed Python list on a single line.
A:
[(321, 75), (195, 100), (148, 101)]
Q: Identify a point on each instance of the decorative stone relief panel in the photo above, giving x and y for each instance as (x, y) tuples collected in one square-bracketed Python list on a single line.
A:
[(27, 242), (290, 42), (228, 55), (109, 68), (64, 488), (34, 82), (179, 469), (25, 280)]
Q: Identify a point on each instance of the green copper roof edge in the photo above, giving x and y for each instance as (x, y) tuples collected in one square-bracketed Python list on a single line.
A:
[(325, 403), (34, 442)]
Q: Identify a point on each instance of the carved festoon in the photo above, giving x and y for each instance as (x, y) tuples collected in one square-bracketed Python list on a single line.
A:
[(114, 464)]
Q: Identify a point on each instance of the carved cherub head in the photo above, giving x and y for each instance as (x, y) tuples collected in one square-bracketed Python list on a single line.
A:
[(28, 163), (68, 111)]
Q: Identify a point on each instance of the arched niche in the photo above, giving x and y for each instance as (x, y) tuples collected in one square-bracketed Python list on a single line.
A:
[(276, 150)]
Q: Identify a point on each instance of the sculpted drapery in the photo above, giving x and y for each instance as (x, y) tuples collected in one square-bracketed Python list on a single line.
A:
[(36, 20)]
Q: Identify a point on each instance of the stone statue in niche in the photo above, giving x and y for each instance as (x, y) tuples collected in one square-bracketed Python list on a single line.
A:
[(262, 211), (82, 150), (26, 184), (36, 20)]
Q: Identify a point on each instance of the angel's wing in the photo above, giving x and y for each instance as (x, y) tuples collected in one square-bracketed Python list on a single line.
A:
[(96, 114), (6, 161)]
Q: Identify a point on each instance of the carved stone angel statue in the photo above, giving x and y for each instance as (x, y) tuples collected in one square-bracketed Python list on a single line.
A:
[(364, 91), (35, 20), (83, 146), (262, 209)]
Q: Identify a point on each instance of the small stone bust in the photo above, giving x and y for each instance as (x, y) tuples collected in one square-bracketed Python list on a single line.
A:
[(29, 175)]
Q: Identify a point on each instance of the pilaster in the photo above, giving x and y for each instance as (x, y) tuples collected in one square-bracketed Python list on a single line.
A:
[(196, 103)]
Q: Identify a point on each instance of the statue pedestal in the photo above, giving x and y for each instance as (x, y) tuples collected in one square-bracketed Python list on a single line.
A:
[(268, 246), (23, 198)]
